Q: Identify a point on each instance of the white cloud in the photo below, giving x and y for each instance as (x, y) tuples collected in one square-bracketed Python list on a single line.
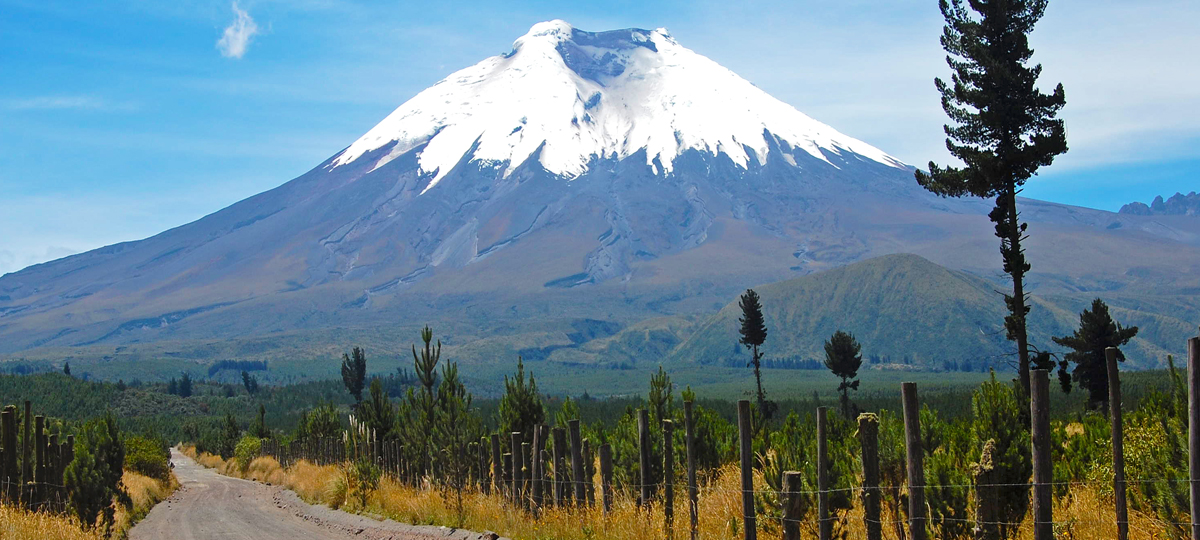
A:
[(236, 39), (65, 102)]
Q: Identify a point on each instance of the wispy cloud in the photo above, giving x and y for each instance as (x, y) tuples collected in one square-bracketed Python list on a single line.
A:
[(40, 103), (236, 39)]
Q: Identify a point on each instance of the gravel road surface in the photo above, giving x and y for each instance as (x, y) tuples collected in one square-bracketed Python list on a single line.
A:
[(210, 506)]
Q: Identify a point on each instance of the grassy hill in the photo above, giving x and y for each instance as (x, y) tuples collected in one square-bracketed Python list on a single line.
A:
[(911, 311)]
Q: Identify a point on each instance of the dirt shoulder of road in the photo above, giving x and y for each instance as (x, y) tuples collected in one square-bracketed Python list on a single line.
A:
[(211, 506)]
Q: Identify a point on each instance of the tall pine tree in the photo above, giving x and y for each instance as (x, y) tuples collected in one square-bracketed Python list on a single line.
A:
[(843, 357), (354, 373), (753, 332), (1005, 129), (1097, 331), (521, 406)]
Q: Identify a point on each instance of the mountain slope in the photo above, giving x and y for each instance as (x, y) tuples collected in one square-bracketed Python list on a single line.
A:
[(509, 193), (906, 307)]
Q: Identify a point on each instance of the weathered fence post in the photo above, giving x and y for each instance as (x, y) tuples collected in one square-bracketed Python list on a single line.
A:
[(693, 491), (53, 458), (824, 525), (868, 438), (792, 486), (497, 466), (668, 428), (10, 445), (536, 468), (1043, 475), (39, 468), (39, 441), (644, 456), (589, 473), (577, 462), (986, 494), (560, 471), (1193, 349), (27, 445), (517, 463), (916, 461), (606, 493), (510, 488), (484, 483), (527, 475), (1118, 442), (747, 462)]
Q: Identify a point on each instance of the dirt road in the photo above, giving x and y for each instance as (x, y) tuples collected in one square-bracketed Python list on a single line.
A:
[(210, 506)]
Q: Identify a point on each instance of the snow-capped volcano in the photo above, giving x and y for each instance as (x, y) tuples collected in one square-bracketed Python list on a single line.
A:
[(572, 97), (612, 175)]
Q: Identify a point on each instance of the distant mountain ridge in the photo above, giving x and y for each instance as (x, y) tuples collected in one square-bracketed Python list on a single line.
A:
[(1178, 205)]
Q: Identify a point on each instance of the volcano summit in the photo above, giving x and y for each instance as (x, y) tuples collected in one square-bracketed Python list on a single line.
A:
[(610, 177)]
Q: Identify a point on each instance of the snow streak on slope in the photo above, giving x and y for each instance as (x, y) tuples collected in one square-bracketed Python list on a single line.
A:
[(579, 96)]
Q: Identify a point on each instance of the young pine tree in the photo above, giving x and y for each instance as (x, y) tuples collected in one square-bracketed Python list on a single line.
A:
[(753, 332), (354, 372), (1097, 331), (521, 405), (843, 357), (422, 402), (377, 412), (1005, 129), (997, 417), (457, 427)]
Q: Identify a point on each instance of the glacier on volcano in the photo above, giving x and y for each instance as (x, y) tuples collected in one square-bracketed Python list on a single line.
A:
[(571, 97)]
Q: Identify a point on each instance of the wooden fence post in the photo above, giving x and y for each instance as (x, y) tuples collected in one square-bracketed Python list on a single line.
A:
[(536, 467), (484, 480), (510, 488), (589, 473), (668, 428), (1193, 350), (868, 438), (527, 475), (560, 470), (517, 464), (577, 463), (39, 441), (27, 445), (986, 494), (747, 461), (824, 525), (1118, 442), (39, 468), (9, 440), (792, 486), (644, 455), (606, 492), (497, 466), (693, 490), (1043, 475), (916, 462), (53, 470)]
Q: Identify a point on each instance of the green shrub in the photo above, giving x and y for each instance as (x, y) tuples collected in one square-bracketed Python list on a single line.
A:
[(148, 457), (248, 448)]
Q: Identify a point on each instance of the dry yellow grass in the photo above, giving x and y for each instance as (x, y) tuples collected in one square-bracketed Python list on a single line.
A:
[(1084, 513), (145, 492), (19, 524)]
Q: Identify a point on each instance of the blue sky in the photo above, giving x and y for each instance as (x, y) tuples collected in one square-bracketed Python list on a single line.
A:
[(122, 119)]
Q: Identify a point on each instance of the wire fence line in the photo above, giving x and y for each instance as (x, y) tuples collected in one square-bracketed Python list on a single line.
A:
[(532, 478)]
